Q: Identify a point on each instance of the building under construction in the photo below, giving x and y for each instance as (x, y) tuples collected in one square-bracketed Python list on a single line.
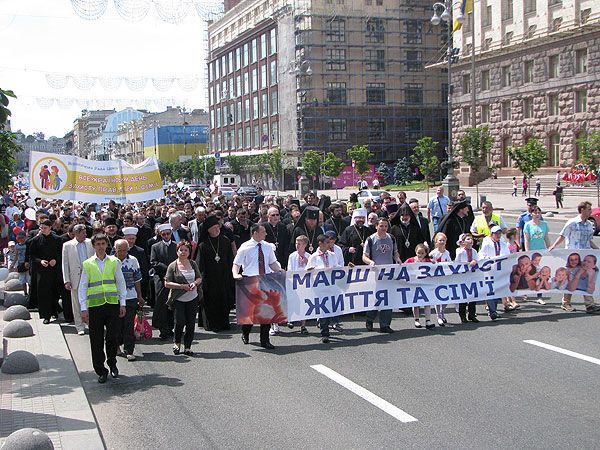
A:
[(326, 75)]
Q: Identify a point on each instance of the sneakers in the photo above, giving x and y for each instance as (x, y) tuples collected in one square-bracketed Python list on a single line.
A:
[(274, 329), (494, 316), (325, 339), (369, 325), (81, 332), (130, 357), (290, 325), (441, 322), (418, 324), (337, 327), (541, 301), (592, 309), (568, 307), (303, 330)]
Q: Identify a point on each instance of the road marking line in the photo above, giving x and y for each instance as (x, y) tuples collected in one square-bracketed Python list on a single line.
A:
[(375, 400), (563, 351)]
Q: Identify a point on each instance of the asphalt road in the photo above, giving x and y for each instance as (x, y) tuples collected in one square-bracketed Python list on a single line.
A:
[(467, 386)]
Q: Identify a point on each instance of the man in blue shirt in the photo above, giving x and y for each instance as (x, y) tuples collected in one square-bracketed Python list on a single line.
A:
[(526, 217), (437, 207)]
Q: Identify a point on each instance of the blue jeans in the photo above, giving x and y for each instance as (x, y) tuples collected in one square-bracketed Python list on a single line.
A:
[(492, 305), (385, 317), (435, 221)]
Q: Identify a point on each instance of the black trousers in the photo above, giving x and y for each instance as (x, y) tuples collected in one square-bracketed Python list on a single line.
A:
[(462, 309), (101, 318), (264, 332), (185, 316), (126, 337), (67, 306)]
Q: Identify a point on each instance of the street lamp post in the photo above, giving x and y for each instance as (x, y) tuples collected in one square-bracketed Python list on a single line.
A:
[(450, 183)]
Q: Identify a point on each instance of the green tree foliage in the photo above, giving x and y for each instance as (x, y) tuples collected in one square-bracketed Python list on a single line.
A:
[(474, 149), (332, 165), (590, 149), (275, 162), (8, 144), (383, 173), (403, 173), (311, 163), (361, 156), (235, 164), (425, 158), (528, 158)]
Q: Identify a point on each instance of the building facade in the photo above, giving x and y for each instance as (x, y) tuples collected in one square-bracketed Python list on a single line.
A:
[(325, 75), (537, 75)]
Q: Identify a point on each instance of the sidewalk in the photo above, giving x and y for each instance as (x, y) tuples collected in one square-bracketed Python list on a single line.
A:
[(52, 399)]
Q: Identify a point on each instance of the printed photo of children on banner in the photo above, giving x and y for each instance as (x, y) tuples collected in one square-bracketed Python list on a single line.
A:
[(320, 293), (261, 299)]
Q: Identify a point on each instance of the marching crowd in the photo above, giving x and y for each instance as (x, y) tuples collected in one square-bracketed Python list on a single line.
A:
[(181, 254)]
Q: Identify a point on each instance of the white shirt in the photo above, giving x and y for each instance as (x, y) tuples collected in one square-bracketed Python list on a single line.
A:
[(11, 210), (488, 248), (247, 257), (339, 254), (294, 262), (461, 255), (83, 284), (319, 260)]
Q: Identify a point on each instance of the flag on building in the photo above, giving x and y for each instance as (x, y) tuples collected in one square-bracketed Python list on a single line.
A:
[(466, 7)]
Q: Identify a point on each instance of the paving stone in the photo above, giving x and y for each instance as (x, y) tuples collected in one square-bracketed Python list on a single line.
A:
[(13, 285), (16, 312), (14, 298), (18, 362), (3, 273), (17, 328), (28, 439), (12, 276)]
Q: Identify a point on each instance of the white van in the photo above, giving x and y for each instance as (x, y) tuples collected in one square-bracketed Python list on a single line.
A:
[(227, 180)]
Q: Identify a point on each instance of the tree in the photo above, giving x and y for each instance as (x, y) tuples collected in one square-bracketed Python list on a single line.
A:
[(528, 158), (332, 166), (590, 149), (361, 155), (235, 164), (403, 173), (311, 163), (382, 173), (474, 148), (275, 162), (8, 144), (426, 160)]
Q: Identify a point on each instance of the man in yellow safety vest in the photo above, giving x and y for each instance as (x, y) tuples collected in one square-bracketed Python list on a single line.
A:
[(482, 224), (102, 291)]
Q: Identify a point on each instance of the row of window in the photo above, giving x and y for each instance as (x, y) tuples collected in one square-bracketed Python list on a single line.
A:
[(374, 60), (374, 30), (249, 53), (247, 82), (527, 104), (248, 109), (337, 129), (506, 73), (257, 136), (336, 93)]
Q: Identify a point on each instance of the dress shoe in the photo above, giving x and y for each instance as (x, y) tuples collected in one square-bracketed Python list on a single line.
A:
[(102, 378), (325, 339), (114, 372), (369, 325), (387, 330), (267, 345), (464, 320), (494, 316), (46, 321), (474, 319), (245, 339)]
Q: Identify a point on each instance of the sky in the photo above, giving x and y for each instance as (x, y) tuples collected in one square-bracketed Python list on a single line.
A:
[(44, 39)]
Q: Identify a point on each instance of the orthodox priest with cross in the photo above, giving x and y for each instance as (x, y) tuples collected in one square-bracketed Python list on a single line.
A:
[(307, 225), (353, 238)]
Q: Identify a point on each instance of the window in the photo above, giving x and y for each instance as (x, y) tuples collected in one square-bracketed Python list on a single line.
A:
[(487, 17), (466, 83), (247, 137), (528, 108), (335, 58), (254, 80), (467, 23), (273, 72), (485, 113), (376, 129), (246, 83), (245, 55), (553, 107), (275, 133), (238, 111), (554, 2), (255, 107), (376, 93), (414, 129), (466, 116), (256, 137), (506, 144), (554, 149), (337, 129), (528, 72), (263, 46), (336, 93), (238, 58), (240, 139), (486, 45), (584, 16), (414, 61), (247, 112), (374, 30), (218, 117), (581, 101), (414, 32), (553, 66), (254, 51), (508, 37), (556, 24), (335, 30), (485, 80), (273, 47), (274, 103), (263, 76), (531, 32), (506, 76), (507, 9), (375, 60), (506, 110), (530, 6), (264, 100), (413, 93), (581, 60), (444, 94), (264, 135), (238, 85)]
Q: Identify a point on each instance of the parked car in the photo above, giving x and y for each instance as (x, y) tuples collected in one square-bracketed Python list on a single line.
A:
[(595, 219), (227, 192), (248, 192), (368, 194)]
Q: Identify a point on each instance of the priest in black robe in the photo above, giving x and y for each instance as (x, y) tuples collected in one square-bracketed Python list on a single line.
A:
[(278, 235), (407, 232), (215, 259), (307, 225), (455, 223), (352, 239)]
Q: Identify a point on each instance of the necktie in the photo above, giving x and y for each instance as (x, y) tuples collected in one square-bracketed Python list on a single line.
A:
[(261, 260), (497, 247), (325, 261), (469, 254)]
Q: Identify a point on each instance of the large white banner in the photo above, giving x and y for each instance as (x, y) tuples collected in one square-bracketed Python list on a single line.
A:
[(333, 292), (71, 178)]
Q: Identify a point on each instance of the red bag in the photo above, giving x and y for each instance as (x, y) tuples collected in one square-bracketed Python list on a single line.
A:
[(141, 327)]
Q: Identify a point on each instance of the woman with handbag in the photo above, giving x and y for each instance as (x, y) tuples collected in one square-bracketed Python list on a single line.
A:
[(183, 279)]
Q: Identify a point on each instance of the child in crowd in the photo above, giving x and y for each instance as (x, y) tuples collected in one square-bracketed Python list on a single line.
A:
[(297, 261), (10, 257), (467, 254), (440, 254), (512, 241), (561, 278), (22, 266), (421, 251)]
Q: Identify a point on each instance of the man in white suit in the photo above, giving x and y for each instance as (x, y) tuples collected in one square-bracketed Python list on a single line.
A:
[(74, 252)]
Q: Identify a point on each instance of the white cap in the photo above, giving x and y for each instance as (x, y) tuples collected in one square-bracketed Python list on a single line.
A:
[(130, 230), (360, 212), (164, 227), (495, 229)]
